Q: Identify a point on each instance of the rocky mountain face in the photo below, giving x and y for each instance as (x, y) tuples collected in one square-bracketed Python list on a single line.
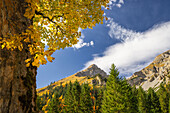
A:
[(151, 76), (91, 71)]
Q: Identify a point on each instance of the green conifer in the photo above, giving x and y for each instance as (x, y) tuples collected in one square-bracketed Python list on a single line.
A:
[(142, 101), (134, 99), (153, 102), (68, 99), (99, 98), (54, 106), (76, 96), (163, 99), (86, 105), (117, 96)]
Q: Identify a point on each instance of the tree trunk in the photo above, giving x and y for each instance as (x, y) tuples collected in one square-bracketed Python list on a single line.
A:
[(17, 82)]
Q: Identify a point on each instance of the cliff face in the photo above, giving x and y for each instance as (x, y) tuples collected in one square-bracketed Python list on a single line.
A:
[(157, 72), (91, 71)]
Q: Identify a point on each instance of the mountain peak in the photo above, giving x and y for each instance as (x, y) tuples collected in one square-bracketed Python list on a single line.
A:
[(93, 66), (91, 71)]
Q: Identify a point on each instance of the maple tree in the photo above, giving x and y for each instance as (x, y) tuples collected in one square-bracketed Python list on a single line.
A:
[(55, 23), (30, 32)]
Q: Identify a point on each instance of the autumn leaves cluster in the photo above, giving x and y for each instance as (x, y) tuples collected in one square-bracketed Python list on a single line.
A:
[(55, 25)]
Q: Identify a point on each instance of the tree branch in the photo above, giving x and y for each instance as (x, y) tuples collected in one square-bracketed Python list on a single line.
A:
[(51, 20)]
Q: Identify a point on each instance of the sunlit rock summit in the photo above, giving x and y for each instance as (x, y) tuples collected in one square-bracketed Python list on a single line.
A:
[(91, 71), (151, 76)]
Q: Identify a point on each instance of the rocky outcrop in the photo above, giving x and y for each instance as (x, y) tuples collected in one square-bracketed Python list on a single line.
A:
[(91, 71), (157, 72)]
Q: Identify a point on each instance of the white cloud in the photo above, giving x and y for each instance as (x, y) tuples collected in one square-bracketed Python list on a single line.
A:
[(91, 43), (121, 1), (117, 31), (81, 42), (136, 49), (119, 5), (115, 3)]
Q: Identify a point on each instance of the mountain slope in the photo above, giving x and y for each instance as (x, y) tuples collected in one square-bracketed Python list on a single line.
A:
[(152, 75), (92, 75)]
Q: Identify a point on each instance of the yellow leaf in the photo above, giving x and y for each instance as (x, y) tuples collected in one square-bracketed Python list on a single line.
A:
[(36, 62), (58, 33), (27, 60), (20, 48), (3, 46), (49, 58), (28, 64), (61, 97), (26, 40), (43, 61)]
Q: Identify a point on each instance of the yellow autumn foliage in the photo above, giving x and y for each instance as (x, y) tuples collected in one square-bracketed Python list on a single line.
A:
[(55, 23)]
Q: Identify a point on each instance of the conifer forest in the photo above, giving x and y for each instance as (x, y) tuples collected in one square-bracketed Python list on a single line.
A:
[(117, 96)]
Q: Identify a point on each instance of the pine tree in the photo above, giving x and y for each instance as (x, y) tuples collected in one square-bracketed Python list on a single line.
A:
[(68, 99), (86, 105), (130, 104), (99, 98), (135, 99), (54, 106), (76, 96), (153, 102), (117, 97), (163, 99), (142, 101)]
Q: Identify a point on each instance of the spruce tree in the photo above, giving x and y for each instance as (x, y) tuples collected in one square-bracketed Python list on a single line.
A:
[(142, 101), (68, 99), (76, 96), (135, 99), (117, 97), (153, 102), (163, 99), (54, 106), (86, 105), (99, 98), (128, 97)]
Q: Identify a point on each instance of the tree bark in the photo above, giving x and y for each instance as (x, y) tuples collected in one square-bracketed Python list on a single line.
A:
[(17, 82)]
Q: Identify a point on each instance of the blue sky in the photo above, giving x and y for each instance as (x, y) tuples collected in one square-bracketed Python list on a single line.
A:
[(136, 32)]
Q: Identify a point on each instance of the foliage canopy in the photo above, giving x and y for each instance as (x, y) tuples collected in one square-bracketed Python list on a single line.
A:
[(55, 25)]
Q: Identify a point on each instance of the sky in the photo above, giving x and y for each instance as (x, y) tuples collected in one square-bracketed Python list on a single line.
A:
[(134, 34)]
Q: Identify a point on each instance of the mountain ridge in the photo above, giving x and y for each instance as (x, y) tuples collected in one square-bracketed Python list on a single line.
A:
[(154, 74)]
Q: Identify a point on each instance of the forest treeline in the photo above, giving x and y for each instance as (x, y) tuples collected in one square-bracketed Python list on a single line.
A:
[(116, 97)]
